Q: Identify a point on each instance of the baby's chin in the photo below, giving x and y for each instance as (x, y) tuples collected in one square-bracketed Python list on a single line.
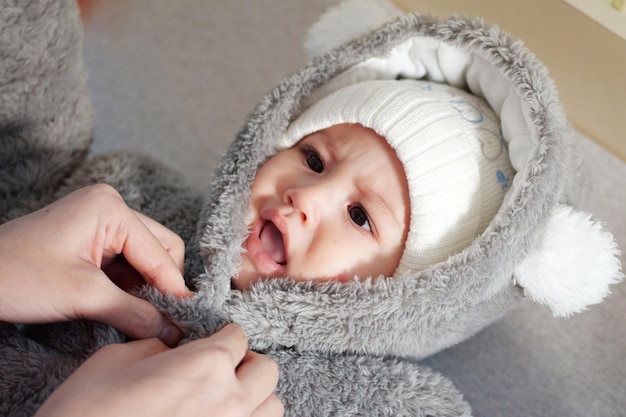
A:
[(243, 280), (237, 283)]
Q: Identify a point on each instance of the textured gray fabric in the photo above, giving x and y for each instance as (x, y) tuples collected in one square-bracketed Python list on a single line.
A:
[(328, 339)]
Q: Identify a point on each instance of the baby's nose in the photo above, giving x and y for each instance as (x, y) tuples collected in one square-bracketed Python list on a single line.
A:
[(307, 201)]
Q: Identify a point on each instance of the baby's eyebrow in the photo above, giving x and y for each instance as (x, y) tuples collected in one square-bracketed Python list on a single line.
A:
[(376, 199)]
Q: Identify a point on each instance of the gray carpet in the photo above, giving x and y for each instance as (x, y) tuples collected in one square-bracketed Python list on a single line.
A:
[(176, 79)]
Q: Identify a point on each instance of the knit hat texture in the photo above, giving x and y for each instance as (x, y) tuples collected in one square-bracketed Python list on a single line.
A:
[(450, 144)]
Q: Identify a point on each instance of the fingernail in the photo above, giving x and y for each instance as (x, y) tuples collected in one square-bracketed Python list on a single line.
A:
[(171, 335)]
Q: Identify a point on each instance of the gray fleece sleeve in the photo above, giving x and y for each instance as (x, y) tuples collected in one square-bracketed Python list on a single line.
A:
[(45, 110)]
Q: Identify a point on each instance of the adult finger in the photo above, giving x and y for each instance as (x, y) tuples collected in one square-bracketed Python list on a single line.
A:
[(122, 355), (170, 241), (271, 407), (231, 340), (133, 316), (258, 374), (118, 230), (145, 253)]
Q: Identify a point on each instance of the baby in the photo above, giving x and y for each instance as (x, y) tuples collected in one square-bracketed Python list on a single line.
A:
[(377, 178)]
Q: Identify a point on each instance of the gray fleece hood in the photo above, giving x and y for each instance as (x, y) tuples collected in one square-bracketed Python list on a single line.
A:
[(343, 349), (538, 246)]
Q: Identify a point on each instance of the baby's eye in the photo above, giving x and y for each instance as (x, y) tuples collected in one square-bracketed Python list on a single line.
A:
[(359, 217), (313, 160)]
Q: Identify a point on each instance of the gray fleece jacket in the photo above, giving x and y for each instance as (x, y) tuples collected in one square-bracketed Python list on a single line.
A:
[(344, 349)]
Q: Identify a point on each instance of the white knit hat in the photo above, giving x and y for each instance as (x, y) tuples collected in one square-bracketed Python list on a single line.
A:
[(450, 144)]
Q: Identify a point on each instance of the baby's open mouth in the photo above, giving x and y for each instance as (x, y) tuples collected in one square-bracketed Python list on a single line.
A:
[(272, 241)]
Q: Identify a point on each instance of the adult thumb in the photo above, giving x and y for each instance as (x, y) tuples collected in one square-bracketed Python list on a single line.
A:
[(135, 317)]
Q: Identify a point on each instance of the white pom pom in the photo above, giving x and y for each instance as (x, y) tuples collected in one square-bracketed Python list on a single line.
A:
[(347, 21), (573, 265)]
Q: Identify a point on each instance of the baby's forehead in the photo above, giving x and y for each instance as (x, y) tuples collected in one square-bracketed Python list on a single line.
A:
[(368, 159)]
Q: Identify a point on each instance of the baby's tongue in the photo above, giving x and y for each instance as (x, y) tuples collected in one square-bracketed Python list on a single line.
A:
[(272, 242)]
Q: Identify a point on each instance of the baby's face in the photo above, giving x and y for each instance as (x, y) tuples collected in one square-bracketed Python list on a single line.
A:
[(333, 206)]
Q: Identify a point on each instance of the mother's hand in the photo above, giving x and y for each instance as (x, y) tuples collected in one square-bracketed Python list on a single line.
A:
[(52, 264), (216, 376)]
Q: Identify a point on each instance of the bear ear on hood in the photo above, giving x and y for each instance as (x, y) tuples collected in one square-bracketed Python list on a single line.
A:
[(576, 259), (572, 266), (347, 21)]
